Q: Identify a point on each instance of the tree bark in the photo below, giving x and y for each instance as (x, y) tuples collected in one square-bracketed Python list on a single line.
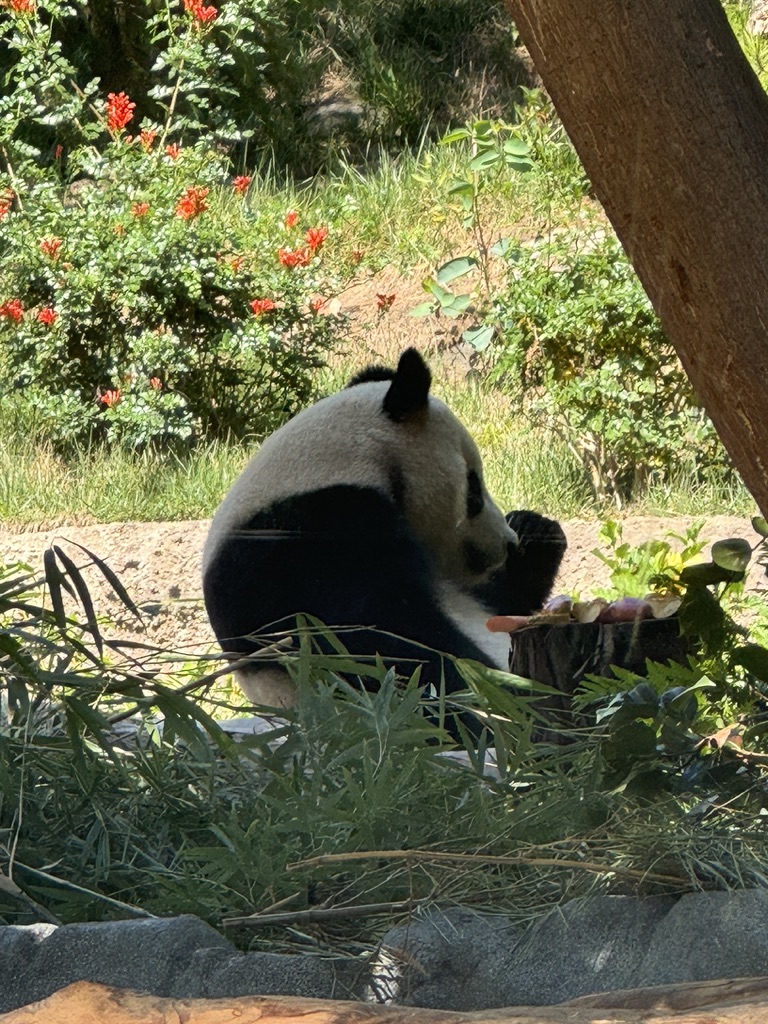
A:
[(671, 125)]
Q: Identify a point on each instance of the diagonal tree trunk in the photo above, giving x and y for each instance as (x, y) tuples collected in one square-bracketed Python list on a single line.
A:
[(672, 127)]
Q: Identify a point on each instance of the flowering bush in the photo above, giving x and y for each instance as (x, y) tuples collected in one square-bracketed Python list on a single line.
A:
[(147, 301)]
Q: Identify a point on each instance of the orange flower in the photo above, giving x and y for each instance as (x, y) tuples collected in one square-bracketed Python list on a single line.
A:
[(384, 302), (155, 383), (316, 303), (294, 257), (13, 309), (58, 152), (172, 150), (119, 229), (200, 13), (119, 111), (291, 219), (236, 264), (6, 203), (260, 306), (50, 247), (357, 255), (21, 6), (47, 316), (140, 209), (315, 238), (110, 398), (241, 183), (146, 137), (192, 203)]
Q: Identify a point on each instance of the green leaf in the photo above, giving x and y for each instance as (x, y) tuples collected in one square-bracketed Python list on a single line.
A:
[(516, 147), (443, 296), (457, 135), (754, 659), (455, 268), (732, 554), (502, 247), (423, 309), (479, 337), (457, 305), (484, 160), (760, 525)]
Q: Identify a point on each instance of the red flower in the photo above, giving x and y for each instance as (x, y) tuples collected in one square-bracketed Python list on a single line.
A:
[(294, 257), (357, 255), (241, 183), (383, 302), (291, 218), (48, 316), (6, 202), (146, 137), (236, 264), (172, 150), (13, 309), (315, 238), (200, 13), (260, 306), (21, 6), (58, 152), (110, 398), (316, 303), (192, 203), (155, 383), (140, 209), (50, 247), (119, 111)]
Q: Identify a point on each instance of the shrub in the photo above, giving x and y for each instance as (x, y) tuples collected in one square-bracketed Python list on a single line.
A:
[(127, 310), (581, 348)]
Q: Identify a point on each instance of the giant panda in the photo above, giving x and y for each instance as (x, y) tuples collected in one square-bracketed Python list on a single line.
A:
[(368, 511)]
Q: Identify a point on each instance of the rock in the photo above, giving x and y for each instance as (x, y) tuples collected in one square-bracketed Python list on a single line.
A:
[(215, 973), (176, 957), (592, 944), (148, 954), (447, 959), (709, 935)]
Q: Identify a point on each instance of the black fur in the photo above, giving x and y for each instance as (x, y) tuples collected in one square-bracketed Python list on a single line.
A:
[(524, 583), (315, 555)]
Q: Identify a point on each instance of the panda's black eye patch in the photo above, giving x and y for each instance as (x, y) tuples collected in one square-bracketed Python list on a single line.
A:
[(475, 500)]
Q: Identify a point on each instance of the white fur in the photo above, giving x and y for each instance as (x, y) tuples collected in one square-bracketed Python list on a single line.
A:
[(471, 616), (347, 438)]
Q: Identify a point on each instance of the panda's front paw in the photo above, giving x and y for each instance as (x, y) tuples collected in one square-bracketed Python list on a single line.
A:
[(534, 530)]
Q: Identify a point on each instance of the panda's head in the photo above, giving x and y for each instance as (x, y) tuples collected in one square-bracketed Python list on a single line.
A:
[(386, 431)]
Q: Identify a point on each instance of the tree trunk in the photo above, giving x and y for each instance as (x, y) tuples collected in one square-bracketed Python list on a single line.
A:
[(671, 125)]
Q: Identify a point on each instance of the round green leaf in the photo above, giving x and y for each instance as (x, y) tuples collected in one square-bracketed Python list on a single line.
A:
[(733, 554), (479, 337), (760, 525), (454, 269), (484, 160)]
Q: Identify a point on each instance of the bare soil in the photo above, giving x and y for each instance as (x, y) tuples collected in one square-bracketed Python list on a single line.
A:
[(159, 565)]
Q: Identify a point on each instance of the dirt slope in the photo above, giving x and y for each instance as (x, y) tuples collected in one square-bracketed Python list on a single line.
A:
[(159, 564)]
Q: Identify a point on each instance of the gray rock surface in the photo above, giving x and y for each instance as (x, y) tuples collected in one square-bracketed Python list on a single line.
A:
[(454, 958), (179, 956), (449, 960), (589, 945), (709, 935)]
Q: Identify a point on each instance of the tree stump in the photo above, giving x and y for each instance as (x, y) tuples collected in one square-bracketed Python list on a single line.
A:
[(562, 655)]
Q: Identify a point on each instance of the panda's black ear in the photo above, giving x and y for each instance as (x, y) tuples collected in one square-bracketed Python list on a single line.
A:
[(409, 390)]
